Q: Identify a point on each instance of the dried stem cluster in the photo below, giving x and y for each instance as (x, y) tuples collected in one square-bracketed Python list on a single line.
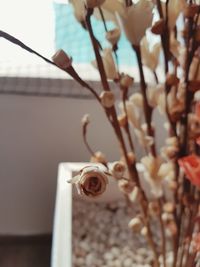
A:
[(177, 212)]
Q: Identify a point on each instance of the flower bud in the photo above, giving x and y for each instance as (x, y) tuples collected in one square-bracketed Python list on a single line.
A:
[(131, 157), (167, 217), (113, 36), (154, 208), (135, 224), (135, 194), (86, 119), (168, 207), (126, 186), (144, 231), (158, 27), (122, 119), (98, 157), (107, 99), (126, 81), (118, 169), (62, 60)]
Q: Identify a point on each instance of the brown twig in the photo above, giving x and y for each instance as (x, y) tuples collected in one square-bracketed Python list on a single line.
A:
[(147, 109)]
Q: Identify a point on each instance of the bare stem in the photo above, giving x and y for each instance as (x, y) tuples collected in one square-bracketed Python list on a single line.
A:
[(147, 108)]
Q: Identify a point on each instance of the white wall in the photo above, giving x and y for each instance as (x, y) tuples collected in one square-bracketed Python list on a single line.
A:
[(36, 134)]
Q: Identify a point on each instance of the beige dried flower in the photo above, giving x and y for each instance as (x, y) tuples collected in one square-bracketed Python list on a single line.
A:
[(93, 3), (168, 207), (135, 224), (107, 99), (113, 36), (154, 95), (126, 186), (175, 8), (62, 60), (110, 8), (167, 171), (134, 195), (109, 64), (150, 56), (118, 169), (91, 181), (148, 169), (144, 231), (98, 157), (126, 81), (79, 9), (171, 149), (132, 15), (175, 102)]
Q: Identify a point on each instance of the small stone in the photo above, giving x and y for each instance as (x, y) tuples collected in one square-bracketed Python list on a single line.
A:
[(108, 256), (127, 262)]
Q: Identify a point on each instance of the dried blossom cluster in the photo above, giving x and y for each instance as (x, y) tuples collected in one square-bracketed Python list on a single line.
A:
[(165, 181)]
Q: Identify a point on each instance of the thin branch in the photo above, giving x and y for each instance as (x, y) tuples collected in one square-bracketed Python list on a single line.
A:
[(70, 70)]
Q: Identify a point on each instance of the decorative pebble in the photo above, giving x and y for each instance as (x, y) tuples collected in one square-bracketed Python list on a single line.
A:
[(101, 236)]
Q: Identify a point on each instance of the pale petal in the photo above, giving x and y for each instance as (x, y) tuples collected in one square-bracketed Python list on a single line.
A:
[(134, 23)]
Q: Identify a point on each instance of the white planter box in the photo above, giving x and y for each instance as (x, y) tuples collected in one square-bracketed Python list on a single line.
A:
[(62, 232)]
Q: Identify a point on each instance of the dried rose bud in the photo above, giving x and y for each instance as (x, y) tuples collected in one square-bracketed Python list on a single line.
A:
[(126, 81), (122, 119), (135, 224), (93, 3), (126, 186), (62, 60), (154, 208), (190, 10), (107, 99), (118, 169), (98, 157), (91, 181), (172, 79), (113, 36), (168, 207), (158, 27)]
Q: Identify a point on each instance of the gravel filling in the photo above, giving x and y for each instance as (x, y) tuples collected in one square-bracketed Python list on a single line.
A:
[(101, 236)]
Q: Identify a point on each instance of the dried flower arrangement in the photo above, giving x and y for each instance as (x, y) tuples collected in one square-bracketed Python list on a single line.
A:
[(171, 173)]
